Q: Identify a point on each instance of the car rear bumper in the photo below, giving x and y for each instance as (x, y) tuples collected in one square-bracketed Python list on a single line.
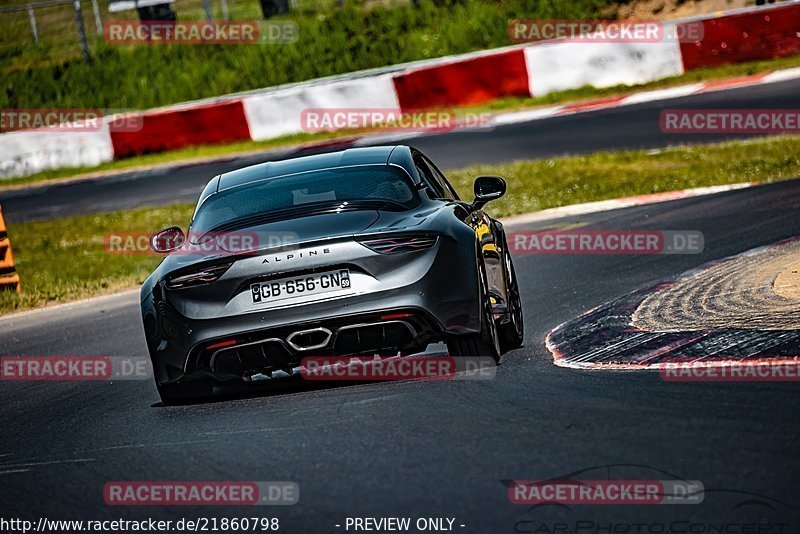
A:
[(403, 319)]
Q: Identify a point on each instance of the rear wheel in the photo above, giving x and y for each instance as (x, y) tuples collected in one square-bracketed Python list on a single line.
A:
[(484, 343), (512, 332)]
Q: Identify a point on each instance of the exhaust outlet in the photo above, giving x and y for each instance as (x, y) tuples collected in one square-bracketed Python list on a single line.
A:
[(312, 339)]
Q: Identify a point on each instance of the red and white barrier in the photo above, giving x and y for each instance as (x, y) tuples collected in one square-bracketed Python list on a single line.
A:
[(171, 128), (523, 70), (745, 35), (278, 113), (27, 152), (569, 65), (464, 82)]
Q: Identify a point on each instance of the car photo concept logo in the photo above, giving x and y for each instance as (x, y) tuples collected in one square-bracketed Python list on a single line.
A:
[(576, 503)]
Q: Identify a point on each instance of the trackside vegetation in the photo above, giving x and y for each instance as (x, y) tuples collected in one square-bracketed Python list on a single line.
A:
[(334, 41)]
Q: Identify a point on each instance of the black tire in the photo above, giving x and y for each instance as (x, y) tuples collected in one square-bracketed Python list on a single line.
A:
[(485, 343), (184, 392), (512, 333)]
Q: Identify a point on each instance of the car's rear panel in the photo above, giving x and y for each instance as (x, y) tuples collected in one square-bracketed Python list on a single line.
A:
[(369, 273), (390, 273)]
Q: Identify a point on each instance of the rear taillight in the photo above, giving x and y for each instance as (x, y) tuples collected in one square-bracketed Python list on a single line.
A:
[(396, 316), (205, 276), (222, 344), (397, 245)]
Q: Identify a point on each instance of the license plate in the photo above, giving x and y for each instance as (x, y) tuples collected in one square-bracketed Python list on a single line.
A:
[(310, 284)]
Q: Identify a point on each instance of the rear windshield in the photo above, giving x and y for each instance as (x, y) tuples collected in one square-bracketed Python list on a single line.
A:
[(377, 184)]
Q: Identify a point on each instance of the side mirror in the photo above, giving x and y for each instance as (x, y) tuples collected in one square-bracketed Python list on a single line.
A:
[(488, 188), (167, 240)]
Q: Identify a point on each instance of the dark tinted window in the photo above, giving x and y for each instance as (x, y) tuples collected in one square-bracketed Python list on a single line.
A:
[(435, 188), (441, 181), (368, 183)]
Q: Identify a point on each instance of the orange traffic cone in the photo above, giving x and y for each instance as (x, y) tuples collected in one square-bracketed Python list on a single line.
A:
[(9, 279)]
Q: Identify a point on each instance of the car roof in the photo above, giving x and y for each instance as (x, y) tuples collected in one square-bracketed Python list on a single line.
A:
[(378, 155)]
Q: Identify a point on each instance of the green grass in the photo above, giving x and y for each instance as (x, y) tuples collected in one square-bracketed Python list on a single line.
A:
[(57, 32), (336, 41), (65, 259), (542, 184)]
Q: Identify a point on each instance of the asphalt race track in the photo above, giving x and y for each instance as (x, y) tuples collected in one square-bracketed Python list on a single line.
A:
[(433, 448), (634, 126)]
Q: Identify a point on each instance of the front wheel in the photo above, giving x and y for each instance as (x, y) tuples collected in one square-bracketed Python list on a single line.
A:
[(487, 341)]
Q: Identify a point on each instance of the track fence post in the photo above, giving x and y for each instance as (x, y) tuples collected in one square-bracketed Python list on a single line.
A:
[(76, 4), (34, 29), (98, 22)]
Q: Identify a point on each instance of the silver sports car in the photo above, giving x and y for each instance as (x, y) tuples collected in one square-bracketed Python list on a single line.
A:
[(364, 251)]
